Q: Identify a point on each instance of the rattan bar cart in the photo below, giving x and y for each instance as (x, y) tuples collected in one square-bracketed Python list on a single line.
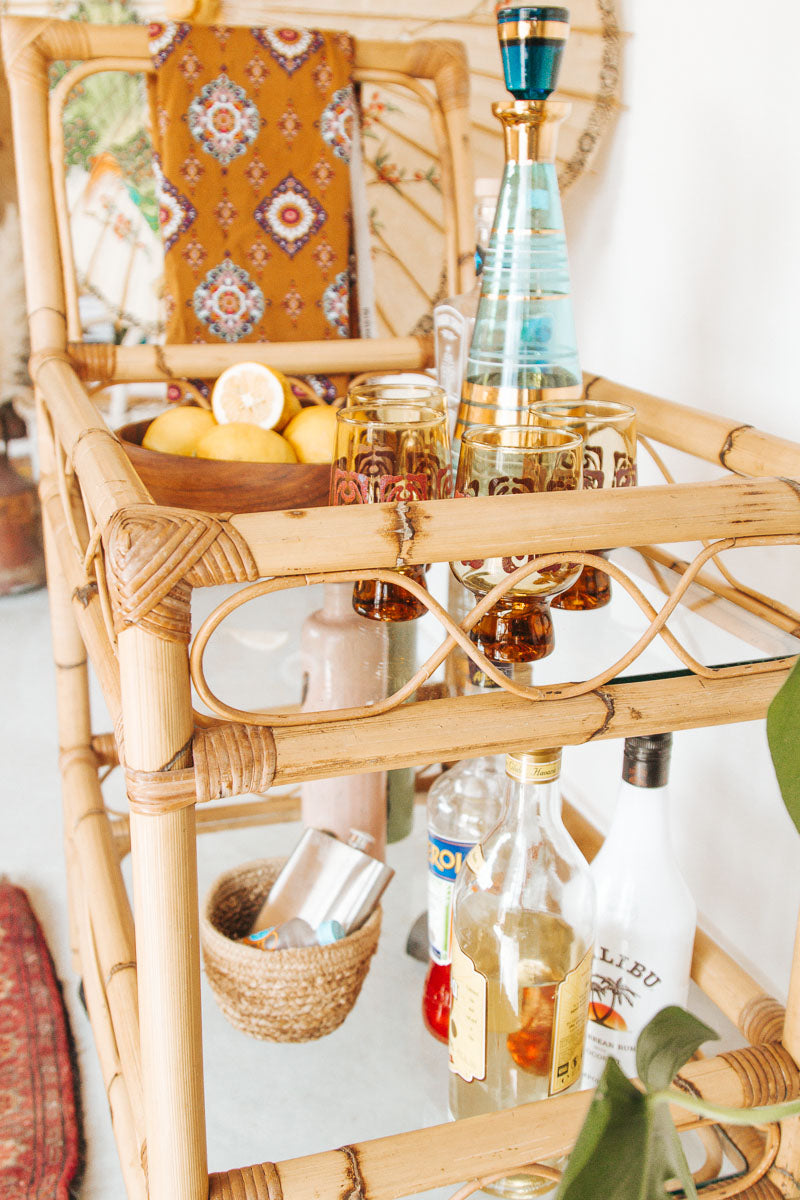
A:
[(121, 571)]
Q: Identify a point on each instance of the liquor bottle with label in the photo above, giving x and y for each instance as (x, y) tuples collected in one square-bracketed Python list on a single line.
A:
[(646, 915), (523, 346), (521, 955), (464, 804)]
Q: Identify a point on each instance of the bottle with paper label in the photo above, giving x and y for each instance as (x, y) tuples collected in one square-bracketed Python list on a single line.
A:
[(646, 915), (464, 804), (522, 941)]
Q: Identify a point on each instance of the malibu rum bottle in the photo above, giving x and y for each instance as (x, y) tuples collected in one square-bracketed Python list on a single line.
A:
[(646, 914), (521, 952), (523, 346)]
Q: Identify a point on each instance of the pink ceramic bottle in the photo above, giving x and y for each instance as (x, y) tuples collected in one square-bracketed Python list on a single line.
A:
[(344, 660)]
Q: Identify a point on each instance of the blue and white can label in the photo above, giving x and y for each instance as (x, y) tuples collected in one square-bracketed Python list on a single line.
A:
[(444, 863)]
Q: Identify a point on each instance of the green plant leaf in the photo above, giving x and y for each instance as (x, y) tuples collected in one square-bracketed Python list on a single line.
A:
[(783, 736), (628, 1147), (611, 1150), (667, 1042)]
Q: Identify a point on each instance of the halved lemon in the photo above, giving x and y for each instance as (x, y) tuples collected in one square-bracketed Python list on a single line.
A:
[(251, 392), (178, 430), (241, 441)]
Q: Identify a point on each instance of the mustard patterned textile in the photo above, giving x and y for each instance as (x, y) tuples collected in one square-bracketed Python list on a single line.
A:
[(252, 134)]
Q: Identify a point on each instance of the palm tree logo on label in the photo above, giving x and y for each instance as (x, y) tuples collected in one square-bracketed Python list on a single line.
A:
[(607, 996)]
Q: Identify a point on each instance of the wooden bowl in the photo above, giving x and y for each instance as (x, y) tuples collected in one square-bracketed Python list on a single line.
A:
[(214, 486)]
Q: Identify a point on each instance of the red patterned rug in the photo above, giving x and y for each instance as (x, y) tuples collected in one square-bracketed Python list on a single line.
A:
[(39, 1121)]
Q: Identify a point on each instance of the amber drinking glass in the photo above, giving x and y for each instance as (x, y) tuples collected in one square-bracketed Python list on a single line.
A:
[(608, 430), (388, 452), (505, 460), (430, 395)]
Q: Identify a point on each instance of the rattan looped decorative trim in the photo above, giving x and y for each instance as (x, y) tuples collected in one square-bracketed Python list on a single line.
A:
[(229, 760), (458, 635), (155, 555)]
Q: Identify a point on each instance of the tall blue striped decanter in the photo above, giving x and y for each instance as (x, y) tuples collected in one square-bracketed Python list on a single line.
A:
[(523, 346)]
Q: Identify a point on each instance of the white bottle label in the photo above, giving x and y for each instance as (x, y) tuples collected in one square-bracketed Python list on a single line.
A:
[(444, 862), (549, 1041), (569, 1026), (627, 991), (467, 1040)]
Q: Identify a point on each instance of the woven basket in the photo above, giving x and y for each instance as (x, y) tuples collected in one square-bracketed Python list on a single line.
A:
[(292, 995)]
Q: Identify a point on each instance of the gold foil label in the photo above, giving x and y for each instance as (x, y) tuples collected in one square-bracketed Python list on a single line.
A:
[(569, 1025), (525, 770), (467, 1039)]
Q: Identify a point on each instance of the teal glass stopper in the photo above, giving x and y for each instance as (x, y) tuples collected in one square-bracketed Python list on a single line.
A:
[(532, 41)]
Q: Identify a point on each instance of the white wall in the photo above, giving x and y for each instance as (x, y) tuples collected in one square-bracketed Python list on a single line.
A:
[(685, 256)]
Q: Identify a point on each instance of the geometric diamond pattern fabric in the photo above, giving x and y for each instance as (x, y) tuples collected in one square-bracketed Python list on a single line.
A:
[(252, 132)]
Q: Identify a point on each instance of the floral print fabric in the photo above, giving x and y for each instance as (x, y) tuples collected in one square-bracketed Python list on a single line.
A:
[(252, 132)]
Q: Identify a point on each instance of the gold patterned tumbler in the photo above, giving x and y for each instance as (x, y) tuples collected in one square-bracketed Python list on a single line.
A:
[(505, 460), (608, 430), (390, 452)]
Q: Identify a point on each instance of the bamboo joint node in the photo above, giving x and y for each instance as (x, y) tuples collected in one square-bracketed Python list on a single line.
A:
[(48, 354)]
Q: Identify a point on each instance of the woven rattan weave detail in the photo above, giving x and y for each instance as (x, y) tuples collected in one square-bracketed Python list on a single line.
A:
[(155, 555), (229, 760), (767, 1073), (762, 1020), (292, 995), (260, 1182)]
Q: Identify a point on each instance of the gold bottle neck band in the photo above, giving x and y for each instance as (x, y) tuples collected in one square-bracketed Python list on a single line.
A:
[(530, 128), (538, 766), (520, 31)]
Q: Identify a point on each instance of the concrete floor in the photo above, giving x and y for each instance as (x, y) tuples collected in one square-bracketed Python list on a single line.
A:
[(378, 1074)]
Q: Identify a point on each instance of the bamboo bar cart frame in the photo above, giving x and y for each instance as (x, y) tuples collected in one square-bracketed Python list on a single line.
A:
[(121, 571)]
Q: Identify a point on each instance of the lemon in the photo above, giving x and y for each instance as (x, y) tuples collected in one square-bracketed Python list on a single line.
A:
[(312, 434), (239, 441), (178, 430), (251, 392)]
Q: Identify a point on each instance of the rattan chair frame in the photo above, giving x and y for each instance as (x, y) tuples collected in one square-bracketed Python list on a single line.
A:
[(121, 570)]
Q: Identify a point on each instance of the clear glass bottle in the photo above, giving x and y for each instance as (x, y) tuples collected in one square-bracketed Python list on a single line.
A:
[(523, 345), (454, 318), (646, 915), (464, 803), (522, 941)]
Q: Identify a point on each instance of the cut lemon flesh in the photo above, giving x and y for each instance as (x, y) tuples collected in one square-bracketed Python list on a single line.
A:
[(250, 392)]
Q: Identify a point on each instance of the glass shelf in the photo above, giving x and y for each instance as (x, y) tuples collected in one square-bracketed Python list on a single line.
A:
[(254, 660)]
